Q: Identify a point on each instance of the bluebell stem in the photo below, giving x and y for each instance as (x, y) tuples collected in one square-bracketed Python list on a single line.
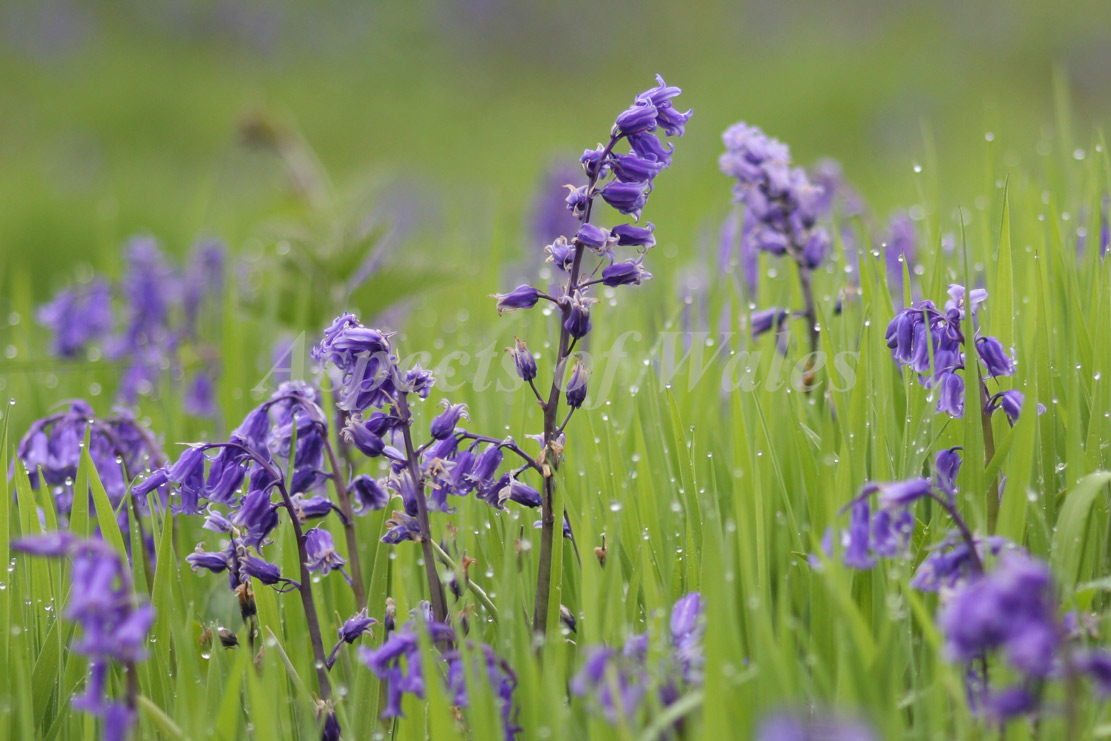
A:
[(623, 180), (114, 623), (781, 207)]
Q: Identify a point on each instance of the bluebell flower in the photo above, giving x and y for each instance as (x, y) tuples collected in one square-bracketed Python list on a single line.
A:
[(638, 118), (995, 358), (576, 385), (321, 552), (368, 494), (359, 434), (401, 527), (114, 624), (1009, 608), (561, 253), (595, 238), (947, 464), (767, 320), (630, 168), (1011, 402), (627, 273), (443, 425), (523, 360), (78, 317), (626, 197), (629, 235), (200, 396), (578, 322), (521, 297)]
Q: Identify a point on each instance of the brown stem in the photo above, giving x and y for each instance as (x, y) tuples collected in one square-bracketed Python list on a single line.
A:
[(305, 590), (344, 497), (435, 587), (989, 453)]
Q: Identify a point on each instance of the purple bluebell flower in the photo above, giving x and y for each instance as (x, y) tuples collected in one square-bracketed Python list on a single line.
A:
[(900, 494), (204, 278), (1011, 402), (368, 494), (1009, 608), (78, 317), (576, 385), (638, 118), (629, 168), (857, 538), (443, 425), (401, 527), (359, 434), (266, 572), (351, 630), (995, 358), (119, 447), (561, 253), (549, 219), (767, 320), (114, 625), (629, 235), (311, 508), (627, 198), (900, 247), (577, 307), (947, 464), (321, 552), (200, 396), (523, 360), (950, 562), (616, 688), (595, 238), (627, 273), (519, 492), (688, 627), (521, 297)]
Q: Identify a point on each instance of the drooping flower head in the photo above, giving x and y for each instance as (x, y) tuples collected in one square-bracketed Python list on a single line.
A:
[(114, 622)]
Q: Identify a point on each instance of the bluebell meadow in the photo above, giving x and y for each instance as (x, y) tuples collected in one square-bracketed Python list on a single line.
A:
[(372, 456)]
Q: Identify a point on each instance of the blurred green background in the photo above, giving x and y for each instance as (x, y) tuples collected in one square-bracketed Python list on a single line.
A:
[(124, 117)]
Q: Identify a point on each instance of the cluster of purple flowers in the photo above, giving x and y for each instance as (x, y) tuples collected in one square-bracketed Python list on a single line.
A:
[(400, 662), (930, 342), (262, 452), (623, 181), (618, 681), (162, 308), (451, 462), (114, 624), (118, 445), (782, 205), (1010, 609)]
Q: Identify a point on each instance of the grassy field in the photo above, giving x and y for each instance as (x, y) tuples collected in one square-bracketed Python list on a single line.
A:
[(311, 139)]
